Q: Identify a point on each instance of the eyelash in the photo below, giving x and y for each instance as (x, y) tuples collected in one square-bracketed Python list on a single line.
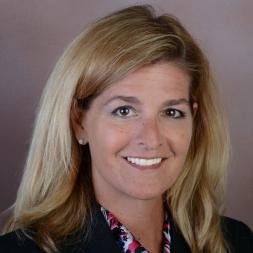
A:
[(174, 111), (116, 112), (170, 112)]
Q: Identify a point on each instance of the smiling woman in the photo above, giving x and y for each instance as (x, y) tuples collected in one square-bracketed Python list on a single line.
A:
[(129, 150)]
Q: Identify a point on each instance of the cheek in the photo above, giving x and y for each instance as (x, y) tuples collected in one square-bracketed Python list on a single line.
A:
[(182, 139), (186, 139), (110, 138)]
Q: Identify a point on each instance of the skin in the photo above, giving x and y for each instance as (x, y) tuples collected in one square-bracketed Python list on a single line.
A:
[(145, 115)]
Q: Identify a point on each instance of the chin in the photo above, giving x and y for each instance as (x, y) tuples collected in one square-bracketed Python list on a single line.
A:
[(146, 195)]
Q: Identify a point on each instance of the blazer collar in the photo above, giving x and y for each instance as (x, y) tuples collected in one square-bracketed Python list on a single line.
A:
[(178, 243), (101, 239)]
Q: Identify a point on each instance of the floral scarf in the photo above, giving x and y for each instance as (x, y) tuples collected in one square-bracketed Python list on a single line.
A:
[(126, 240)]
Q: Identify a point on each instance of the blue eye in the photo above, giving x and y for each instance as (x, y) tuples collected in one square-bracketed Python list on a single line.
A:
[(174, 113), (124, 111)]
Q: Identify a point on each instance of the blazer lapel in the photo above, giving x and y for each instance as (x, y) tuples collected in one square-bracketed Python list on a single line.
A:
[(101, 239), (178, 243)]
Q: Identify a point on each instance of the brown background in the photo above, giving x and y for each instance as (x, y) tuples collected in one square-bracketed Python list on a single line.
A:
[(33, 33)]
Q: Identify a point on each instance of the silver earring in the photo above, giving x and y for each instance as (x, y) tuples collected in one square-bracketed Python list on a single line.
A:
[(81, 141)]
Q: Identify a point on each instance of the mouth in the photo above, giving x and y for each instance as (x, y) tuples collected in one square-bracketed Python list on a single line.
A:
[(144, 162)]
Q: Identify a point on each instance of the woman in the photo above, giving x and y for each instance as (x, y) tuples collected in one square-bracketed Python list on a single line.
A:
[(129, 151)]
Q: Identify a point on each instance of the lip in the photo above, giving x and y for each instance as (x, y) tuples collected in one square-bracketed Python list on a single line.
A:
[(147, 167), (145, 157)]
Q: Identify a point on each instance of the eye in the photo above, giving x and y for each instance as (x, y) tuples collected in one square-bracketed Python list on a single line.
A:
[(174, 113), (124, 111)]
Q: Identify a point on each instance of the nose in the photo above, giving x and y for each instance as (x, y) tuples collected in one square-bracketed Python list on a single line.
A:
[(150, 134)]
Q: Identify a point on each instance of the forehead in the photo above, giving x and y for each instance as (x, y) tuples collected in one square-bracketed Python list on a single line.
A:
[(162, 77), (160, 81)]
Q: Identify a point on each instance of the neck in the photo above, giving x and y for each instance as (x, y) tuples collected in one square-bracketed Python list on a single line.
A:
[(144, 218)]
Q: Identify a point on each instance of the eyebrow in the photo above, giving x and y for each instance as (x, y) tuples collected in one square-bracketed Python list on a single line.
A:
[(128, 99), (134, 100), (171, 102)]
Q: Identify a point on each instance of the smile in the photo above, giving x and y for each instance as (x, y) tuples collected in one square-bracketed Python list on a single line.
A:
[(144, 162)]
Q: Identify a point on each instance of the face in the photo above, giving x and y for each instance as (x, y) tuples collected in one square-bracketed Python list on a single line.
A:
[(139, 131)]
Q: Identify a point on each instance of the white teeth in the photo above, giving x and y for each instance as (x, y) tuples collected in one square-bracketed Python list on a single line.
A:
[(144, 162)]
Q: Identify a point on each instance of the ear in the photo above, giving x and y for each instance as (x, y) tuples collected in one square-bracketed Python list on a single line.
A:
[(76, 117), (194, 109)]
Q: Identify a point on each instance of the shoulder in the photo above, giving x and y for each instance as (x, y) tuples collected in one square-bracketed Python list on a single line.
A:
[(18, 242), (238, 235)]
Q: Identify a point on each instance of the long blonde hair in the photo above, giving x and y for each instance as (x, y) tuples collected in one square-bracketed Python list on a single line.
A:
[(56, 195)]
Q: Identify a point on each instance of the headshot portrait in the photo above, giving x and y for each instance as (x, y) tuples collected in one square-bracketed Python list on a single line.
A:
[(130, 146)]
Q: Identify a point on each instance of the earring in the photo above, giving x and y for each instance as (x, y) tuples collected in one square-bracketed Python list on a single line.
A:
[(81, 141)]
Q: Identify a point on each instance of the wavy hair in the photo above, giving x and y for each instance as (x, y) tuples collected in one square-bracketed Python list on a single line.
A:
[(56, 194)]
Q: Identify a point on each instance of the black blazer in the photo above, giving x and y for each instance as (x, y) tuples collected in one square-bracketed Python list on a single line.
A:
[(239, 236)]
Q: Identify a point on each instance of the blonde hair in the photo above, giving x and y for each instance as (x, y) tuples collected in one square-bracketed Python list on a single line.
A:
[(55, 196)]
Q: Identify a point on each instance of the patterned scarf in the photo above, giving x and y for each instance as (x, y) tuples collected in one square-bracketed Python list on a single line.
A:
[(126, 240)]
